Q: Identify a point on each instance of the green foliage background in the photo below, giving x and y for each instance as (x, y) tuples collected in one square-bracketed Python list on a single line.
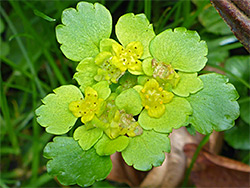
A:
[(32, 65)]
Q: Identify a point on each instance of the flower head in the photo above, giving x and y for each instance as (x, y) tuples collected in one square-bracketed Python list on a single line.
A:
[(88, 107), (154, 97), (128, 58)]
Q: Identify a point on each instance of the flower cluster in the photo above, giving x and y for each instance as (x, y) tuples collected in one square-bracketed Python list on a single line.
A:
[(132, 93)]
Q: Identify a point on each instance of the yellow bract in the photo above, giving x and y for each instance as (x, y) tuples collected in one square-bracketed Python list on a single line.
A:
[(128, 58), (154, 97), (107, 71), (123, 124), (89, 106)]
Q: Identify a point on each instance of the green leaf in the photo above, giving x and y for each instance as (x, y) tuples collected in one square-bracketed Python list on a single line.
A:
[(102, 89), (212, 21), (106, 45), (238, 136), (175, 116), (107, 146), (4, 48), (82, 29), (245, 110), (191, 130), (126, 81), (55, 114), (239, 66), (87, 138), (103, 184), (44, 16), (216, 47), (146, 150), (131, 28), (2, 26), (147, 66), (72, 165), (87, 69), (199, 3), (130, 101), (215, 106), (181, 48), (189, 83)]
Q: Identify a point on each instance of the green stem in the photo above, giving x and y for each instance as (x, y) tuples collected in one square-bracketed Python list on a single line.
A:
[(166, 17), (230, 46), (147, 8), (2, 184), (243, 100), (36, 135), (46, 53), (6, 116), (24, 52), (188, 172), (190, 21), (15, 66), (16, 86)]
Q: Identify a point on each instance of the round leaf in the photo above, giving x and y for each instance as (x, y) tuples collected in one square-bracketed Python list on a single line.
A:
[(86, 71), (72, 165), (82, 29), (181, 48), (131, 28), (87, 138), (107, 146), (102, 89), (189, 83), (130, 101), (55, 114), (146, 150), (215, 106), (175, 116)]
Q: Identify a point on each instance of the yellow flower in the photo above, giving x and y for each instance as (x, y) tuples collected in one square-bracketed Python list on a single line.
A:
[(106, 71), (154, 98), (128, 58), (88, 107)]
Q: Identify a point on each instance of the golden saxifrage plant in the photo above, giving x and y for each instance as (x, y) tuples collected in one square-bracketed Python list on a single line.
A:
[(131, 94)]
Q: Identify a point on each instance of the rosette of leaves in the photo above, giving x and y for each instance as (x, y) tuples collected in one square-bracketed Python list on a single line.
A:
[(131, 94)]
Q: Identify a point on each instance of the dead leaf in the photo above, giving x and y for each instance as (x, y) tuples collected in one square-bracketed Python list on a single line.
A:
[(171, 173), (212, 170), (123, 173)]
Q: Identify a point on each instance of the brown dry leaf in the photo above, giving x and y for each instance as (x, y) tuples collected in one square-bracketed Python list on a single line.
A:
[(123, 173), (211, 170), (170, 174)]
